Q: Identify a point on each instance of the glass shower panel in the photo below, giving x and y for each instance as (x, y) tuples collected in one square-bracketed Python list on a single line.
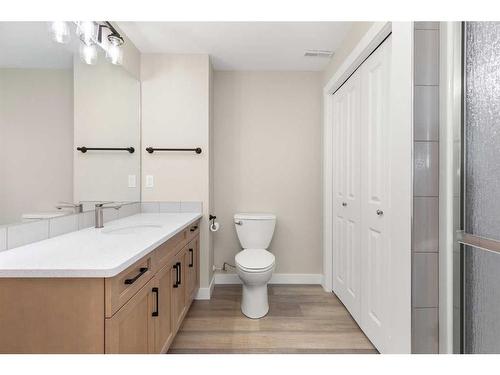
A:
[(482, 129), (482, 307), (481, 272)]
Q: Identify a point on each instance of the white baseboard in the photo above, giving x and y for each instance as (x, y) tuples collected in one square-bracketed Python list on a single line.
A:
[(277, 278), (206, 293)]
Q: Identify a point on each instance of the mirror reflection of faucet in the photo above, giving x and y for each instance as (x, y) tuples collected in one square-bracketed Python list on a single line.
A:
[(99, 207), (76, 207)]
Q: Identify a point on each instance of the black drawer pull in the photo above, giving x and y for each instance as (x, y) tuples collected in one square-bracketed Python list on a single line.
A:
[(180, 272), (155, 291), (142, 271), (176, 285), (194, 228), (192, 258)]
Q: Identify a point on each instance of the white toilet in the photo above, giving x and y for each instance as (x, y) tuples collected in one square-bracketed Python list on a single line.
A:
[(254, 264)]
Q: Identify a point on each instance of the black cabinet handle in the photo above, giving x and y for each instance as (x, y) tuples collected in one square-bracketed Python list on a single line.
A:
[(180, 272), (142, 271), (194, 228), (176, 285), (155, 291), (192, 258)]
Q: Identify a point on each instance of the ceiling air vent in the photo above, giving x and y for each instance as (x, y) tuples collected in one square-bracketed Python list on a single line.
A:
[(318, 53)]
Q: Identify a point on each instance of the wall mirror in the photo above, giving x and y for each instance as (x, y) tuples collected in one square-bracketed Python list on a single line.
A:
[(52, 104)]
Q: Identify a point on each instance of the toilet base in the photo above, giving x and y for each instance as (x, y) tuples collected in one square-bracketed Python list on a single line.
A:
[(254, 301)]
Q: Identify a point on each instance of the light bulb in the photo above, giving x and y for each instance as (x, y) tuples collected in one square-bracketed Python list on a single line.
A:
[(60, 31), (115, 54), (87, 31), (88, 53)]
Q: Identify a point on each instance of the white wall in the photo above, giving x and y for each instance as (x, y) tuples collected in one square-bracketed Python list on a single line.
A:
[(176, 114), (107, 114), (267, 151), (36, 140)]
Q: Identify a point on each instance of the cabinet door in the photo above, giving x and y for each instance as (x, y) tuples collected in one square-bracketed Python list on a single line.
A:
[(163, 320), (346, 199), (193, 251), (131, 329), (178, 276)]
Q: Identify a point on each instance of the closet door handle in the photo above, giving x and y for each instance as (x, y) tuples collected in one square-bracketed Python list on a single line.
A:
[(176, 285), (155, 291), (179, 267), (192, 258), (142, 271), (380, 212), (344, 204)]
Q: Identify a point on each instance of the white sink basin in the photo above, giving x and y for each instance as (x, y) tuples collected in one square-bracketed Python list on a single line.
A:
[(132, 229)]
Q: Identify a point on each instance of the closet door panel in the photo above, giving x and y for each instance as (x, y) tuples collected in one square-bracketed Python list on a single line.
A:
[(347, 194), (375, 173), (339, 198)]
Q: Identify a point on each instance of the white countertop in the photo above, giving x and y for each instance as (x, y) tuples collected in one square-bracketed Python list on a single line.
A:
[(91, 252)]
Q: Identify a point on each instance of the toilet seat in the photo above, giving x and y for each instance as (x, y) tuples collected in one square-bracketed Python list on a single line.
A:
[(254, 260)]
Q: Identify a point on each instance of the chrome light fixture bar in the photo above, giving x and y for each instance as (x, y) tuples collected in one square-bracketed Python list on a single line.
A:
[(91, 35)]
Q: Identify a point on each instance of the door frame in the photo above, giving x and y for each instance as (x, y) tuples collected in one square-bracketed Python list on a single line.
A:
[(401, 156)]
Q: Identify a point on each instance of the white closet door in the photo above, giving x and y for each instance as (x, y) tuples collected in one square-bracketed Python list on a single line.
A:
[(375, 193), (346, 200)]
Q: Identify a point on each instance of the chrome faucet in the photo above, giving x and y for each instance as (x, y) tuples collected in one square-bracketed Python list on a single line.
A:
[(99, 207), (76, 207)]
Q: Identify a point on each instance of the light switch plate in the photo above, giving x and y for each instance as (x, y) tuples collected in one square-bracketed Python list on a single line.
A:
[(132, 181), (150, 181)]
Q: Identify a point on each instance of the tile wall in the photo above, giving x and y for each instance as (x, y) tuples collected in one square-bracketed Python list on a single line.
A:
[(425, 233)]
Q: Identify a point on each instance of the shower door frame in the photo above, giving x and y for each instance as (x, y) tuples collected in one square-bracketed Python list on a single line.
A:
[(450, 120), (453, 114)]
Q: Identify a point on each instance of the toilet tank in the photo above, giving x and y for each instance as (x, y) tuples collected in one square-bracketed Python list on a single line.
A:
[(255, 230)]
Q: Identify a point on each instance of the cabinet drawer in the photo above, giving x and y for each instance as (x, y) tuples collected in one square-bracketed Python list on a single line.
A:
[(119, 289), (193, 230), (166, 251)]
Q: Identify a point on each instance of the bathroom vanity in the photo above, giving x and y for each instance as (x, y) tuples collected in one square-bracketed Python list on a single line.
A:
[(124, 288)]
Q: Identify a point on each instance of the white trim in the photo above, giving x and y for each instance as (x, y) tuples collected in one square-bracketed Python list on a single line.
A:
[(401, 205), (373, 37), (277, 278), (206, 293), (449, 120)]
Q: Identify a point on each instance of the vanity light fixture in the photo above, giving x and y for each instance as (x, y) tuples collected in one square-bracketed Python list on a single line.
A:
[(91, 37), (88, 53), (60, 32)]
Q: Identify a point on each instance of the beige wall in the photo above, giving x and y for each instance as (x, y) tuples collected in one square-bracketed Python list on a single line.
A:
[(107, 114), (267, 151), (176, 113), (36, 140), (357, 31)]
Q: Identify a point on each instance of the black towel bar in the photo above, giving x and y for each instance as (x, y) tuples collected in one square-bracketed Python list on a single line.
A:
[(84, 149), (152, 149)]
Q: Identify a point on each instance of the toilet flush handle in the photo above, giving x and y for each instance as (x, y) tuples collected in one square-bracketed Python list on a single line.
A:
[(238, 222)]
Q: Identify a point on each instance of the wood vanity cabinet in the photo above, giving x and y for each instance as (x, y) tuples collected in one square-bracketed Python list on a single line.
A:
[(137, 311)]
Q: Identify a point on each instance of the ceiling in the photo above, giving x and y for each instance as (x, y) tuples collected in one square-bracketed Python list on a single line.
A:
[(242, 45), (29, 45)]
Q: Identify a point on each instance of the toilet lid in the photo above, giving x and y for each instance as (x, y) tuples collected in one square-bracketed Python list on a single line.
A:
[(254, 259)]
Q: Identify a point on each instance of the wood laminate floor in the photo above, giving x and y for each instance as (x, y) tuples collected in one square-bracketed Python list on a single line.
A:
[(301, 319)]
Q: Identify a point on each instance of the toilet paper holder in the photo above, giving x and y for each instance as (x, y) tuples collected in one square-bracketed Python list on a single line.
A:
[(212, 219)]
